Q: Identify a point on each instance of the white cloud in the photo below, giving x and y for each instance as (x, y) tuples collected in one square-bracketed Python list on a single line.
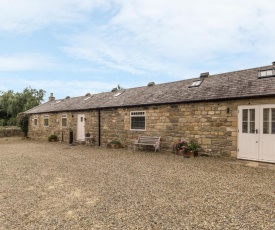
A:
[(28, 15), (176, 38), (168, 37), (25, 62)]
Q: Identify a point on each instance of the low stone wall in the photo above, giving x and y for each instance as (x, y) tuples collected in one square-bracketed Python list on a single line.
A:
[(10, 131)]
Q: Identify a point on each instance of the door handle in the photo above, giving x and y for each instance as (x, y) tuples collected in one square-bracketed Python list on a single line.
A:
[(255, 131)]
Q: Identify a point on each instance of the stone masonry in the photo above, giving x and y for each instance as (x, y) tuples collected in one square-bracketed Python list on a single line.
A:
[(213, 125)]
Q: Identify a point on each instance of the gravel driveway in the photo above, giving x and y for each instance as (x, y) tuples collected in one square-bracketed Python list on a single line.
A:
[(56, 186)]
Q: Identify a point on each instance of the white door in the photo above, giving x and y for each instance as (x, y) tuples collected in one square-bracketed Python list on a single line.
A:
[(80, 127), (256, 137), (267, 137), (248, 138)]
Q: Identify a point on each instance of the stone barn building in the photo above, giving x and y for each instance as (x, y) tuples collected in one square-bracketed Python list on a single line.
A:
[(229, 114)]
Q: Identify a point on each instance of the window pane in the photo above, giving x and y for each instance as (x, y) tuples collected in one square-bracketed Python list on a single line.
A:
[(138, 123), (269, 72), (245, 115), (266, 114), (273, 114), (273, 128), (252, 127), (64, 122), (245, 127), (263, 73), (266, 127), (46, 122), (252, 114)]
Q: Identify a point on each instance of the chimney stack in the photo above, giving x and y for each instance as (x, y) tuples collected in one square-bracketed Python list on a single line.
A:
[(51, 97), (204, 75), (151, 84)]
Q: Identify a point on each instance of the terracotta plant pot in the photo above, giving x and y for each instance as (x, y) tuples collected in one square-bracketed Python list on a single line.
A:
[(191, 154), (180, 152)]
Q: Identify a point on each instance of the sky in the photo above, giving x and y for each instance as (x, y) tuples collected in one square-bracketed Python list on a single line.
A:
[(74, 47)]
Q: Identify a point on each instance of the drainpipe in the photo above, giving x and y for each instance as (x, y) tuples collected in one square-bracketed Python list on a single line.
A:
[(99, 130)]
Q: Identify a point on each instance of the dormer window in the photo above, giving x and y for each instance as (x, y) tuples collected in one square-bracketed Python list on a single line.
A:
[(195, 84), (266, 73)]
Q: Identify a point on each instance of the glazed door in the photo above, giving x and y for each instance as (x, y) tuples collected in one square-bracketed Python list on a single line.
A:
[(248, 136), (267, 137), (80, 127), (256, 137)]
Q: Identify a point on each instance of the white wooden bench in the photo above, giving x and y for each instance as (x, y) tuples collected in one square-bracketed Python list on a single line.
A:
[(153, 141)]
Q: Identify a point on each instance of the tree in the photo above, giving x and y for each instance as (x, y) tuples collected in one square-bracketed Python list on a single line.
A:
[(12, 103)]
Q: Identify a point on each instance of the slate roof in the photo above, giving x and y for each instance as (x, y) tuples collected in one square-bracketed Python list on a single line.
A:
[(232, 85)]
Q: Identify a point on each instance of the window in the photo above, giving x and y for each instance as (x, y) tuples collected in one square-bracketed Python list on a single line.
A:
[(35, 121), (248, 125), (64, 120), (266, 73), (269, 121), (117, 94), (46, 120), (195, 83), (137, 120)]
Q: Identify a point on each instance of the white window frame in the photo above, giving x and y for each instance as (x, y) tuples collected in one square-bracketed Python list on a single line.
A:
[(44, 118), (266, 73), (64, 116), (137, 114), (196, 83), (35, 118)]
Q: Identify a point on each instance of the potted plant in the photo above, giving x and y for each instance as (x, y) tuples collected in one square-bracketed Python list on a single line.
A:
[(114, 144), (192, 149), (180, 147), (52, 138)]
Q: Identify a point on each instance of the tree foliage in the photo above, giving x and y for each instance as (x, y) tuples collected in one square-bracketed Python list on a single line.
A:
[(23, 122), (12, 103)]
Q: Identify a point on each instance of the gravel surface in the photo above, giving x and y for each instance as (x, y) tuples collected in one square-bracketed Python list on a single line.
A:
[(56, 186)]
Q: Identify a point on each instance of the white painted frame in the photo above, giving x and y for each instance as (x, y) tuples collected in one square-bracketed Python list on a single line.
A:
[(64, 116), (144, 112)]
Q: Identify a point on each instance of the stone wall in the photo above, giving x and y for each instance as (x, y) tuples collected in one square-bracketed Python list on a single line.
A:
[(214, 125), (12, 131)]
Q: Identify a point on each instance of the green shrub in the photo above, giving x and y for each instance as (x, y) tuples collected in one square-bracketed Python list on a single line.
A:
[(52, 137), (115, 142), (3, 122), (12, 121)]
